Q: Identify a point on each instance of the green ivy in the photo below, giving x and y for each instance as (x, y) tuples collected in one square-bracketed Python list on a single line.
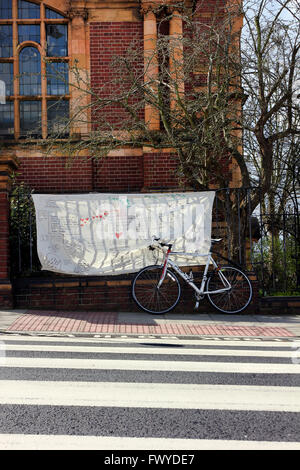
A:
[(24, 258), (275, 264)]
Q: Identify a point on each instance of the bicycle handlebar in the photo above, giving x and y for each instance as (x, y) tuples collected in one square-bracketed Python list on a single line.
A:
[(169, 245)]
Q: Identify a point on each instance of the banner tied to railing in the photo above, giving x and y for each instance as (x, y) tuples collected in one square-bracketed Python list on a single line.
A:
[(96, 234)]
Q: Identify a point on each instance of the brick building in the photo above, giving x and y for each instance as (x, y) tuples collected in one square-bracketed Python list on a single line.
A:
[(33, 35)]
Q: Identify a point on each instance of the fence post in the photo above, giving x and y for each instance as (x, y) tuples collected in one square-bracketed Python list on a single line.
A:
[(8, 164)]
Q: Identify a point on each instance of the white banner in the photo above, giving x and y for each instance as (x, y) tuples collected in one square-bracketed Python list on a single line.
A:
[(96, 234)]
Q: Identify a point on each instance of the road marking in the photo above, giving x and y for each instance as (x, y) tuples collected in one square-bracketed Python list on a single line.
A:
[(67, 442), (178, 341), (151, 395), (149, 350), (179, 366)]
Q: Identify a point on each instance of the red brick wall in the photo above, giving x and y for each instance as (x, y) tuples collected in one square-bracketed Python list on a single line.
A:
[(203, 8), (52, 174), (99, 295), (119, 174), (107, 40), (159, 170), (130, 173)]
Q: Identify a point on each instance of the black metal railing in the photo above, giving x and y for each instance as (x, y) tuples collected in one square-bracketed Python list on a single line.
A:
[(23, 247), (276, 256), (268, 244)]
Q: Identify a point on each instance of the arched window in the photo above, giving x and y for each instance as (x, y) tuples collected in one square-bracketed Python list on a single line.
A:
[(30, 71), (34, 66)]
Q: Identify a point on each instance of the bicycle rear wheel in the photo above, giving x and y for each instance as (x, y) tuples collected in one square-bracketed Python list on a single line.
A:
[(237, 298), (151, 299)]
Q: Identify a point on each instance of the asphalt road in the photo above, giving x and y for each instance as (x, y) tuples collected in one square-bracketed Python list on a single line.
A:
[(131, 393)]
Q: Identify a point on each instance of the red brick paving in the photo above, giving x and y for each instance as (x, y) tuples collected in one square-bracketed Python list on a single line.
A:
[(107, 322)]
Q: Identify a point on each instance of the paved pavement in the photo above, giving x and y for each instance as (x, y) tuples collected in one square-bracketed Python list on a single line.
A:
[(111, 323)]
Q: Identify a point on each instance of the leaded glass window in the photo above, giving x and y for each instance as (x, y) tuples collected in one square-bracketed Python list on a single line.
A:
[(5, 9), (57, 40), (30, 71), (58, 115), (53, 15), (29, 32), (7, 76), (7, 119), (30, 118), (6, 42), (34, 69), (28, 10), (57, 78)]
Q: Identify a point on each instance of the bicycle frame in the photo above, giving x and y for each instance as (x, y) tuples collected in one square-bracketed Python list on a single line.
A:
[(199, 291)]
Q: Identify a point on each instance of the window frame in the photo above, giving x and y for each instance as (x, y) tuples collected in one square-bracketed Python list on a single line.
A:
[(42, 48)]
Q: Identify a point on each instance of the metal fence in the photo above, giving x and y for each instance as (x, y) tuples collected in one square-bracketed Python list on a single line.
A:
[(268, 244), (276, 256)]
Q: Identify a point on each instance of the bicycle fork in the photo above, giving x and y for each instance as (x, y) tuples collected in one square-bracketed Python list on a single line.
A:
[(164, 270)]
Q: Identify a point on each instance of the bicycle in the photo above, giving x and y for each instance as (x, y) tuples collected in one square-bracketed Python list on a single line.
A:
[(156, 289)]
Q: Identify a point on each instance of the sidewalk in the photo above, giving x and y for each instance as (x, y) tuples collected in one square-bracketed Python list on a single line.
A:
[(122, 323)]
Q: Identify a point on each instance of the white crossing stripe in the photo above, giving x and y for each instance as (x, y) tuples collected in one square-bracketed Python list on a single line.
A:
[(140, 398), (152, 350), (230, 341), (150, 395), (67, 442), (124, 364)]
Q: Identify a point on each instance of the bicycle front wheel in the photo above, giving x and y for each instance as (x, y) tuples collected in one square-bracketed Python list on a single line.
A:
[(149, 297), (237, 298)]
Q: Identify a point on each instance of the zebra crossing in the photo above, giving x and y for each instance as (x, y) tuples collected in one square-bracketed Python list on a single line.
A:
[(148, 393)]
